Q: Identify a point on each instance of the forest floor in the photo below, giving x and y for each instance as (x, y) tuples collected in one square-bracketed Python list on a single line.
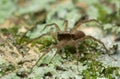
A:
[(22, 21)]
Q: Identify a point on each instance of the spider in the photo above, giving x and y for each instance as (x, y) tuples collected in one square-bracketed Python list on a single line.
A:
[(71, 37)]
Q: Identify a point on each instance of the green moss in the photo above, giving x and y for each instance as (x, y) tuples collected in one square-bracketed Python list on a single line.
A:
[(97, 69)]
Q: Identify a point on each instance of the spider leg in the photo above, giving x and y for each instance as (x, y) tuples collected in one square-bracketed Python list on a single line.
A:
[(55, 25), (82, 22), (78, 55), (54, 35), (24, 35), (46, 34), (46, 52), (58, 47), (75, 44), (90, 37), (66, 25), (58, 50)]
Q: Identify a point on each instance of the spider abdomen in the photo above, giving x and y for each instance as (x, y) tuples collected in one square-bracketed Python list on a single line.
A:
[(78, 35)]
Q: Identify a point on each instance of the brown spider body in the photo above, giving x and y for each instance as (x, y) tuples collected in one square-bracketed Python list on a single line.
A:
[(70, 36)]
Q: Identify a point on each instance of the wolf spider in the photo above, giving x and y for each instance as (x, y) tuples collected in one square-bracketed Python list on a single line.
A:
[(72, 37)]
